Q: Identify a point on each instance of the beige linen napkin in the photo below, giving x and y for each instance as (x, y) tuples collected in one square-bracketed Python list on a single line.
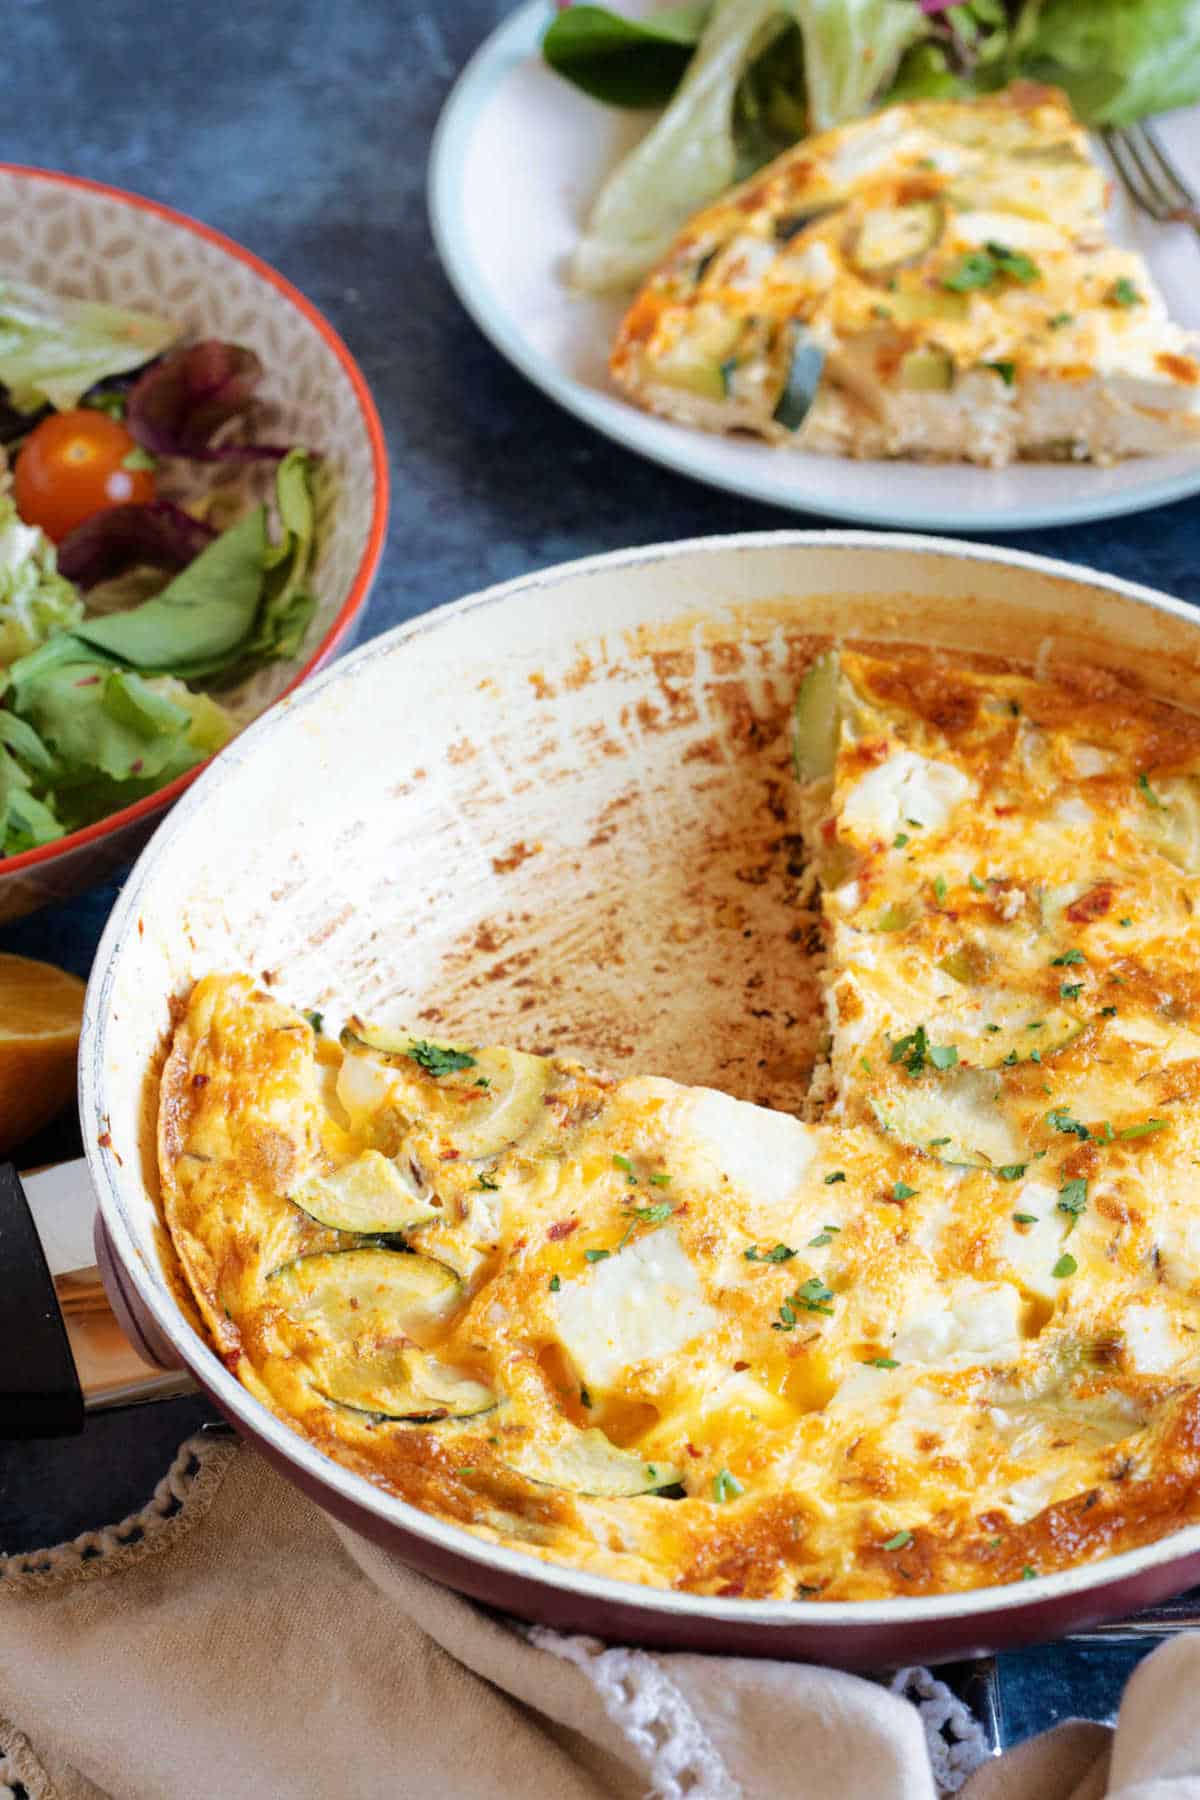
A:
[(229, 1641)]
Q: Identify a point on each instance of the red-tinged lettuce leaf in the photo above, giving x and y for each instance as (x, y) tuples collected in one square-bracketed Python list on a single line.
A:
[(157, 535), (179, 403)]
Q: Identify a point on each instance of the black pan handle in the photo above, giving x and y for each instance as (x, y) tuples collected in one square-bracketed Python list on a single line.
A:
[(40, 1395)]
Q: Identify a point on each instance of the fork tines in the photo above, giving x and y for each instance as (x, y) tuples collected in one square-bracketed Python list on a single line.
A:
[(1150, 177)]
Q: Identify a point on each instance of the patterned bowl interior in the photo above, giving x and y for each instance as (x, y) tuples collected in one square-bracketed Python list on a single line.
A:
[(78, 239)]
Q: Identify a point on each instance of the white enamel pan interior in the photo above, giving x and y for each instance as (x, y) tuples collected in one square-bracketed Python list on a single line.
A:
[(556, 813)]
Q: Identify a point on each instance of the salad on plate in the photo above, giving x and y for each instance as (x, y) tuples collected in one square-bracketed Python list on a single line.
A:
[(742, 80), (153, 555)]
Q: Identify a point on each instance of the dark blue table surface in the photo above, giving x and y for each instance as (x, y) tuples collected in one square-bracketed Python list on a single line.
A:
[(303, 130)]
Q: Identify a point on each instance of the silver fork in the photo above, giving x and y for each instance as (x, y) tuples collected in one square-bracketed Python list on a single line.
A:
[(1149, 176)]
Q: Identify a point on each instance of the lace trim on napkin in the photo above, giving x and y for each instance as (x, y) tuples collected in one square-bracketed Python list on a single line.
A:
[(178, 1503), (22, 1776), (643, 1702), (681, 1760)]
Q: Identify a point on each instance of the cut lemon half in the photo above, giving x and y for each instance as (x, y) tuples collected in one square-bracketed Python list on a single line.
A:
[(40, 1012)]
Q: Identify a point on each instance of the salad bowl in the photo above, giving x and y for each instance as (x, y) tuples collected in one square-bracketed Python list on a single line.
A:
[(555, 815), (85, 240)]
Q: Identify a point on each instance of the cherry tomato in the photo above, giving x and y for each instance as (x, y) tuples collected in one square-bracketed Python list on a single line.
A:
[(72, 465)]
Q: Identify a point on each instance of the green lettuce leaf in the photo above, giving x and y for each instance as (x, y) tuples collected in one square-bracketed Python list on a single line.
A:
[(200, 620), (54, 349), (851, 52), (624, 62), (1117, 59), (287, 606), (35, 600)]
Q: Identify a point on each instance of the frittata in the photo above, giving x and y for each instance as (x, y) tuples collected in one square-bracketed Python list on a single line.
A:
[(932, 281), (941, 1334)]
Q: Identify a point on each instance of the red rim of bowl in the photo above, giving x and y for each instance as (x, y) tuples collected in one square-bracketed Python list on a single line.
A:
[(355, 599)]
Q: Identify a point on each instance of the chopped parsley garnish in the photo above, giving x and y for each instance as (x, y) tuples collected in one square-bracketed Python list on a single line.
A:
[(654, 1215), (864, 1065), (1124, 921), (658, 1179), (939, 888), (1061, 319), (901, 1541), (487, 1184), (1108, 1012), (481, 1081), (436, 1060), (1070, 990), (1025, 1218), (915, 823), (978, 887), (991, 1028), (555, 1284), (1059, 1119), (975, 269), (626, 1167), (1144, 1129), (1147, 792), (1066, 1265), (728, 370), (884, 1362), (1029, 1573), (814, 1296), (1014, 263), (317, 1021), (585, 1399), (779, 1254), (902, 1191), (1012, 1171), (467, 1469), (835, 1175), (786, 1320), (1067, 958), (1035, 1056), (980, 268), (1072, 1199), (914, 1050), (1007, 371), (726, 1487), (825, 1236), (899, 841), (595, 1256), (936, 1143), (1123, 293), (1011, 1060)]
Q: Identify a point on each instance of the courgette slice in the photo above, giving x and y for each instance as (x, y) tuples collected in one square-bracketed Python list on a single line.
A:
[(927, 372), (912, 306), (816, 718), (358, 1311), (482, 1100), (587, 1463), (406, 1384), (355, 1293), (955, 1117), (368, 1196), (1003, 1029), (894, 237), (1168, 817), (806, 361), (789, 225)]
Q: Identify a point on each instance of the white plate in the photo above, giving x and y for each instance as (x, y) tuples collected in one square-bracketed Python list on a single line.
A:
[(516, 160)]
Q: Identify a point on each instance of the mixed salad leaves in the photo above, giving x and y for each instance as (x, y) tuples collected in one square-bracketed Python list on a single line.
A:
[(741, 80), (120, 608)]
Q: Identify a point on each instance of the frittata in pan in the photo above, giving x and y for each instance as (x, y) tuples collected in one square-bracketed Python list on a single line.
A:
[(932, 281), (941, 1334)]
